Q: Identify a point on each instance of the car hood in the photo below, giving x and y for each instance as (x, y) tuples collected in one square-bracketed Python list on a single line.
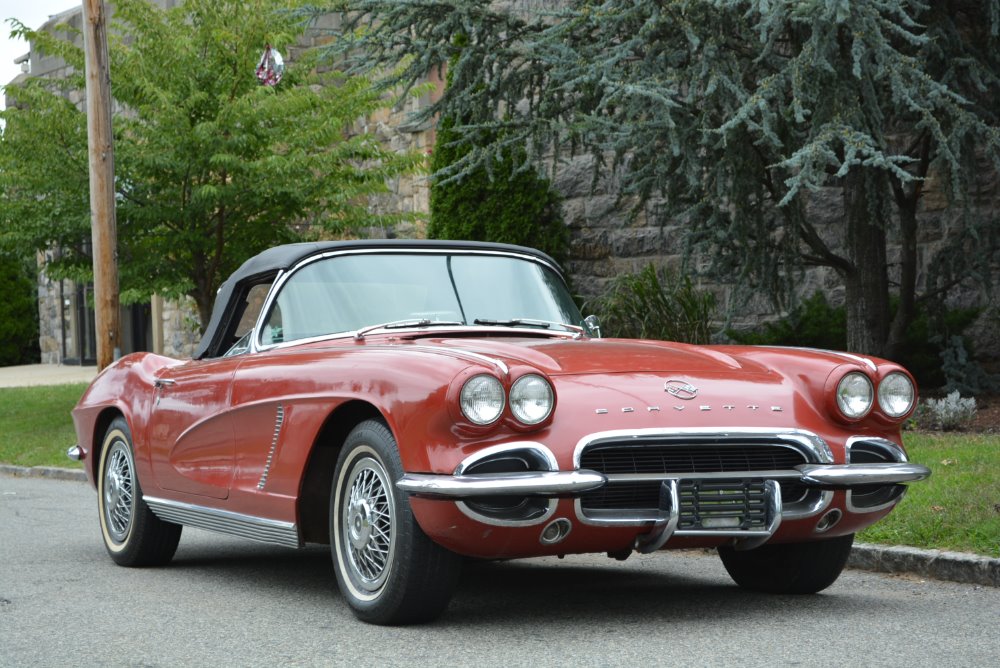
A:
[(562, 356)]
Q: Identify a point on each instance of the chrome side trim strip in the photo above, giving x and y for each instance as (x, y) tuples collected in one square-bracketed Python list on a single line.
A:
[(811, 445), (849, 475), (542, 483), (224, 521), (278, 421), (75, 453)]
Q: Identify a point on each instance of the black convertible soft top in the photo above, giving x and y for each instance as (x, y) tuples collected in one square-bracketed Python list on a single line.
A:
[(280, 258)]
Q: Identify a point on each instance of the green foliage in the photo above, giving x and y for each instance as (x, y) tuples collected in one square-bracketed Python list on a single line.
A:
[(733, 112), (933, 349), (505, 201), (655, 304), (813, 324), (211, 167), (18, 314)]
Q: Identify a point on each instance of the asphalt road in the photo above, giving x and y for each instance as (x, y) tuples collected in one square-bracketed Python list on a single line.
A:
[(225, 601)]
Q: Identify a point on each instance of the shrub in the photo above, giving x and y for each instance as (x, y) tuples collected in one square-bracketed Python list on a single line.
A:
[(813, 324), (951, 413), (657, 305)]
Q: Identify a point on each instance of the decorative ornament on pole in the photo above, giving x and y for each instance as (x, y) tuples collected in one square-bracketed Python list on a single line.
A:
[(271, 67)]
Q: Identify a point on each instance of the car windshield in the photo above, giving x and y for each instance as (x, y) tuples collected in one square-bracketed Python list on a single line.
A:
[(350, 292)]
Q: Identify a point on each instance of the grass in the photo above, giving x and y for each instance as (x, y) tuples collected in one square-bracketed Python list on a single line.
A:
[(957, 508), (35, 424)]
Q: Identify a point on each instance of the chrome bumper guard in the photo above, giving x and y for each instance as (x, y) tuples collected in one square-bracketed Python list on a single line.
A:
[(75, 453), (571, 483), (670, 513)]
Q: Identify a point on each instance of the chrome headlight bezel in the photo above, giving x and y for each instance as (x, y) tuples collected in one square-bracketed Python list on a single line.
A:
[(898, 382), (855, 395), (531, 399), (482, 399)]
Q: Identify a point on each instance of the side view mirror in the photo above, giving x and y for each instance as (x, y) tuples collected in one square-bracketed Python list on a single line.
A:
[(592, 325)]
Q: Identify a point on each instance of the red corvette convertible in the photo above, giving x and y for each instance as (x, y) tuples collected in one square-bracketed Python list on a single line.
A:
[(413, 402)]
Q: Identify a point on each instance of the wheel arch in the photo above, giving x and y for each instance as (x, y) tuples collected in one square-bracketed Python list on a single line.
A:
[(317, 480), (101, 424)]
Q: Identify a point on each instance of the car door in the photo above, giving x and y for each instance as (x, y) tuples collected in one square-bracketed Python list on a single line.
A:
[(191, 441)]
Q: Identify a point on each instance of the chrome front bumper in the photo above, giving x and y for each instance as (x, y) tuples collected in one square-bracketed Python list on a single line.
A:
[(667, 518), (571, 483)]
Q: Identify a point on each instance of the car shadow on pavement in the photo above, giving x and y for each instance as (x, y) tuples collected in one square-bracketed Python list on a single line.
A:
[(543, 592), (536, 590)]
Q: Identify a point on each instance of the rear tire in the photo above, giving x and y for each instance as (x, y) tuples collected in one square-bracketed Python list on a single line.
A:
[(387, 568), (793, 568), (133, 535)]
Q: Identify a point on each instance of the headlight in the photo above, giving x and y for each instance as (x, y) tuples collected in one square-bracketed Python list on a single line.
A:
[(482, 399), (855, 395), (895, 395), (531, 399)]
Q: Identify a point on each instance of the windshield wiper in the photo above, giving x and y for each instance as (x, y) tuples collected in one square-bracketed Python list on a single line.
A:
[(399, 324), (527, 322)]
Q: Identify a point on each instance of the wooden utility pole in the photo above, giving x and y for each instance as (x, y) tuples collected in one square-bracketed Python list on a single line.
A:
[(102, 182)]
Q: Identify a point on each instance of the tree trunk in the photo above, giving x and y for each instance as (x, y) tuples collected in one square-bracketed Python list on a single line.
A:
[(907, 308), (907, 199), (204, 310), (866, 281)]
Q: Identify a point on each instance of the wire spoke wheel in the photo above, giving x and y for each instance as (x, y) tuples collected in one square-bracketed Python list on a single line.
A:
[(368, 524), (133, 535), (387, 569), (119, 491)]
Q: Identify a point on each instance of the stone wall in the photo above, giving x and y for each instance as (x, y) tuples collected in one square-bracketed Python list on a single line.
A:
[(609, 238), (180, 328)]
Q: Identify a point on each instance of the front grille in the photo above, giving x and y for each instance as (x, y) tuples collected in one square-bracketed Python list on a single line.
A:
[(719, 503), (645, 495), (739, 457)]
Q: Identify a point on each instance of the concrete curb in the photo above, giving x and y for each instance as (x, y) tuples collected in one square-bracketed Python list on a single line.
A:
[(934, 564), (53, 472)]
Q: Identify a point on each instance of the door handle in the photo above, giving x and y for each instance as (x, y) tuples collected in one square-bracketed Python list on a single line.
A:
[(163, 382)]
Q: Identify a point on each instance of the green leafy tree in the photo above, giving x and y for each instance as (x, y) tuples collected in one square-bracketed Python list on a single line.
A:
[(18, 313), (505, 201), (211, 167), (732, 112)]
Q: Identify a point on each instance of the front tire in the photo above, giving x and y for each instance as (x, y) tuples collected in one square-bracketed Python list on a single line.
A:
[(133, 535), (387, 568), (793, 568)]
